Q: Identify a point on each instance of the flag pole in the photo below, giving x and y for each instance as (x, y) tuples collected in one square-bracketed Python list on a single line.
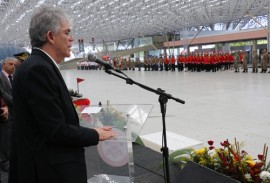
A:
[(78, 87), (78, 81)]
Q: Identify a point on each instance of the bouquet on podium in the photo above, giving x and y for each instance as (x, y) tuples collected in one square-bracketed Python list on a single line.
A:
[(109, 116)]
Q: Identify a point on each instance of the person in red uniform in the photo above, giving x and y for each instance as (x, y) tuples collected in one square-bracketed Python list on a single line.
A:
[(172, 62), (180, 62), (166, 63)]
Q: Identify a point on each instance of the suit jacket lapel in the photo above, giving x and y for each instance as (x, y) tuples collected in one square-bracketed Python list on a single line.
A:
[(5, 81)]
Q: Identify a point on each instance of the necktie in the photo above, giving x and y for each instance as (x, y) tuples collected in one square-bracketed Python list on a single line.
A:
[(10, 78)]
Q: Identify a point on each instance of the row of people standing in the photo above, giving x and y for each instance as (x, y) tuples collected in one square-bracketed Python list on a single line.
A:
[(242, 58), (190, 62), (123, 63), (87, 65)]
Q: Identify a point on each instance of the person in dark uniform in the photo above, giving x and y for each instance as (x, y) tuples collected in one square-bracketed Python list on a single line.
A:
[(161, 63), (145, 63), (264, 61), (166, 63), (255, 58), (236, 61), (245, 61), (138, 64), (22, 56), (149, 63)]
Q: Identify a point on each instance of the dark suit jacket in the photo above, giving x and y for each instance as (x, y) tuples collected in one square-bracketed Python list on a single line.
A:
[(5, 126), (6, 93), (49, 141), (6, 87)]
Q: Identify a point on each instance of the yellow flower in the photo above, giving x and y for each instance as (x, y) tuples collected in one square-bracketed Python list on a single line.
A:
[(251, 163), (200, 151)]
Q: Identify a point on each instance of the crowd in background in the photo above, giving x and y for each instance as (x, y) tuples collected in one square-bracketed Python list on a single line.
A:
[(193, 62)]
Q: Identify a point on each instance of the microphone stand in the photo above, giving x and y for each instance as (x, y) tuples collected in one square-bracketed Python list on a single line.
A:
[(163, 99)]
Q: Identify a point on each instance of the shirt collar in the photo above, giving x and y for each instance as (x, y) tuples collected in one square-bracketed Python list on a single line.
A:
[(5, 73)]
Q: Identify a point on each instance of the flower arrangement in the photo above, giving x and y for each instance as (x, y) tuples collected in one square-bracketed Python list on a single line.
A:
[(229, 160), (109, 116)]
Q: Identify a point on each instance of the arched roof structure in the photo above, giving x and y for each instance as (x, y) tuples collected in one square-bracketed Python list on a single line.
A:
[(111, 20)]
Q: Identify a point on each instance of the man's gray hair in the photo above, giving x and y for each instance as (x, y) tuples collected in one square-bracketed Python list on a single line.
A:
[(46, 18), (9, 58)]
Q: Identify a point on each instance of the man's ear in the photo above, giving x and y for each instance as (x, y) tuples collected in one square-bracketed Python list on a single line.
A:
[(50, 37)]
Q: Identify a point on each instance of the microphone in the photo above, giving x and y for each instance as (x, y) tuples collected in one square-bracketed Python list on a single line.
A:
[(92, 58)]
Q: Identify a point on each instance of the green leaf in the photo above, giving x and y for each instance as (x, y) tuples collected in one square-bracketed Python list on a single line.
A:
[(179, 153), (139, 141)]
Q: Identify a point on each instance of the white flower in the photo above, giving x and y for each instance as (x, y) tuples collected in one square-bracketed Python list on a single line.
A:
[(247, 176), (212, 152), (265, 175)]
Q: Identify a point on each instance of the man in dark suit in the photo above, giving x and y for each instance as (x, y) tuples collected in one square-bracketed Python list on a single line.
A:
[(3, 114), (6, 77), (49, 142)]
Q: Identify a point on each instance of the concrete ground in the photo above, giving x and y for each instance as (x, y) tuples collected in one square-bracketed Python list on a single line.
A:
[(219, 106)]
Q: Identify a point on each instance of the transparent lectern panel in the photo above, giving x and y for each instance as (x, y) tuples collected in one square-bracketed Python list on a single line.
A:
[(114, 157), (114, 162), (117, 117), (86, 120)]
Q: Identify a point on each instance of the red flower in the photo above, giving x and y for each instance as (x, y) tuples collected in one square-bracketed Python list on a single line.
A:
[(236, 157), (225, 143), (258, 166), (260, 156), (211, 147), (210, 142)]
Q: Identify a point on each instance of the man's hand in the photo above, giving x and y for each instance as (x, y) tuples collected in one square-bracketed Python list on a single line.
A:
[(105, 133), (4, 114)]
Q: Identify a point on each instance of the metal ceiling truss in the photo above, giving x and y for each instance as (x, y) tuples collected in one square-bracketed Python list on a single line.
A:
[(113, 20)]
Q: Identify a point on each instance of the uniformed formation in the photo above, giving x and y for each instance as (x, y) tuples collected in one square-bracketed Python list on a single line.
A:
[(87, 65), (194, 62)]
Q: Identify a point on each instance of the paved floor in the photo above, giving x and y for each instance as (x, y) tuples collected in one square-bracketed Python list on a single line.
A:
[(219, 106)]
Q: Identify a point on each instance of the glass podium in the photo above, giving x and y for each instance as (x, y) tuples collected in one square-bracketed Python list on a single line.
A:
[(115, 162)]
